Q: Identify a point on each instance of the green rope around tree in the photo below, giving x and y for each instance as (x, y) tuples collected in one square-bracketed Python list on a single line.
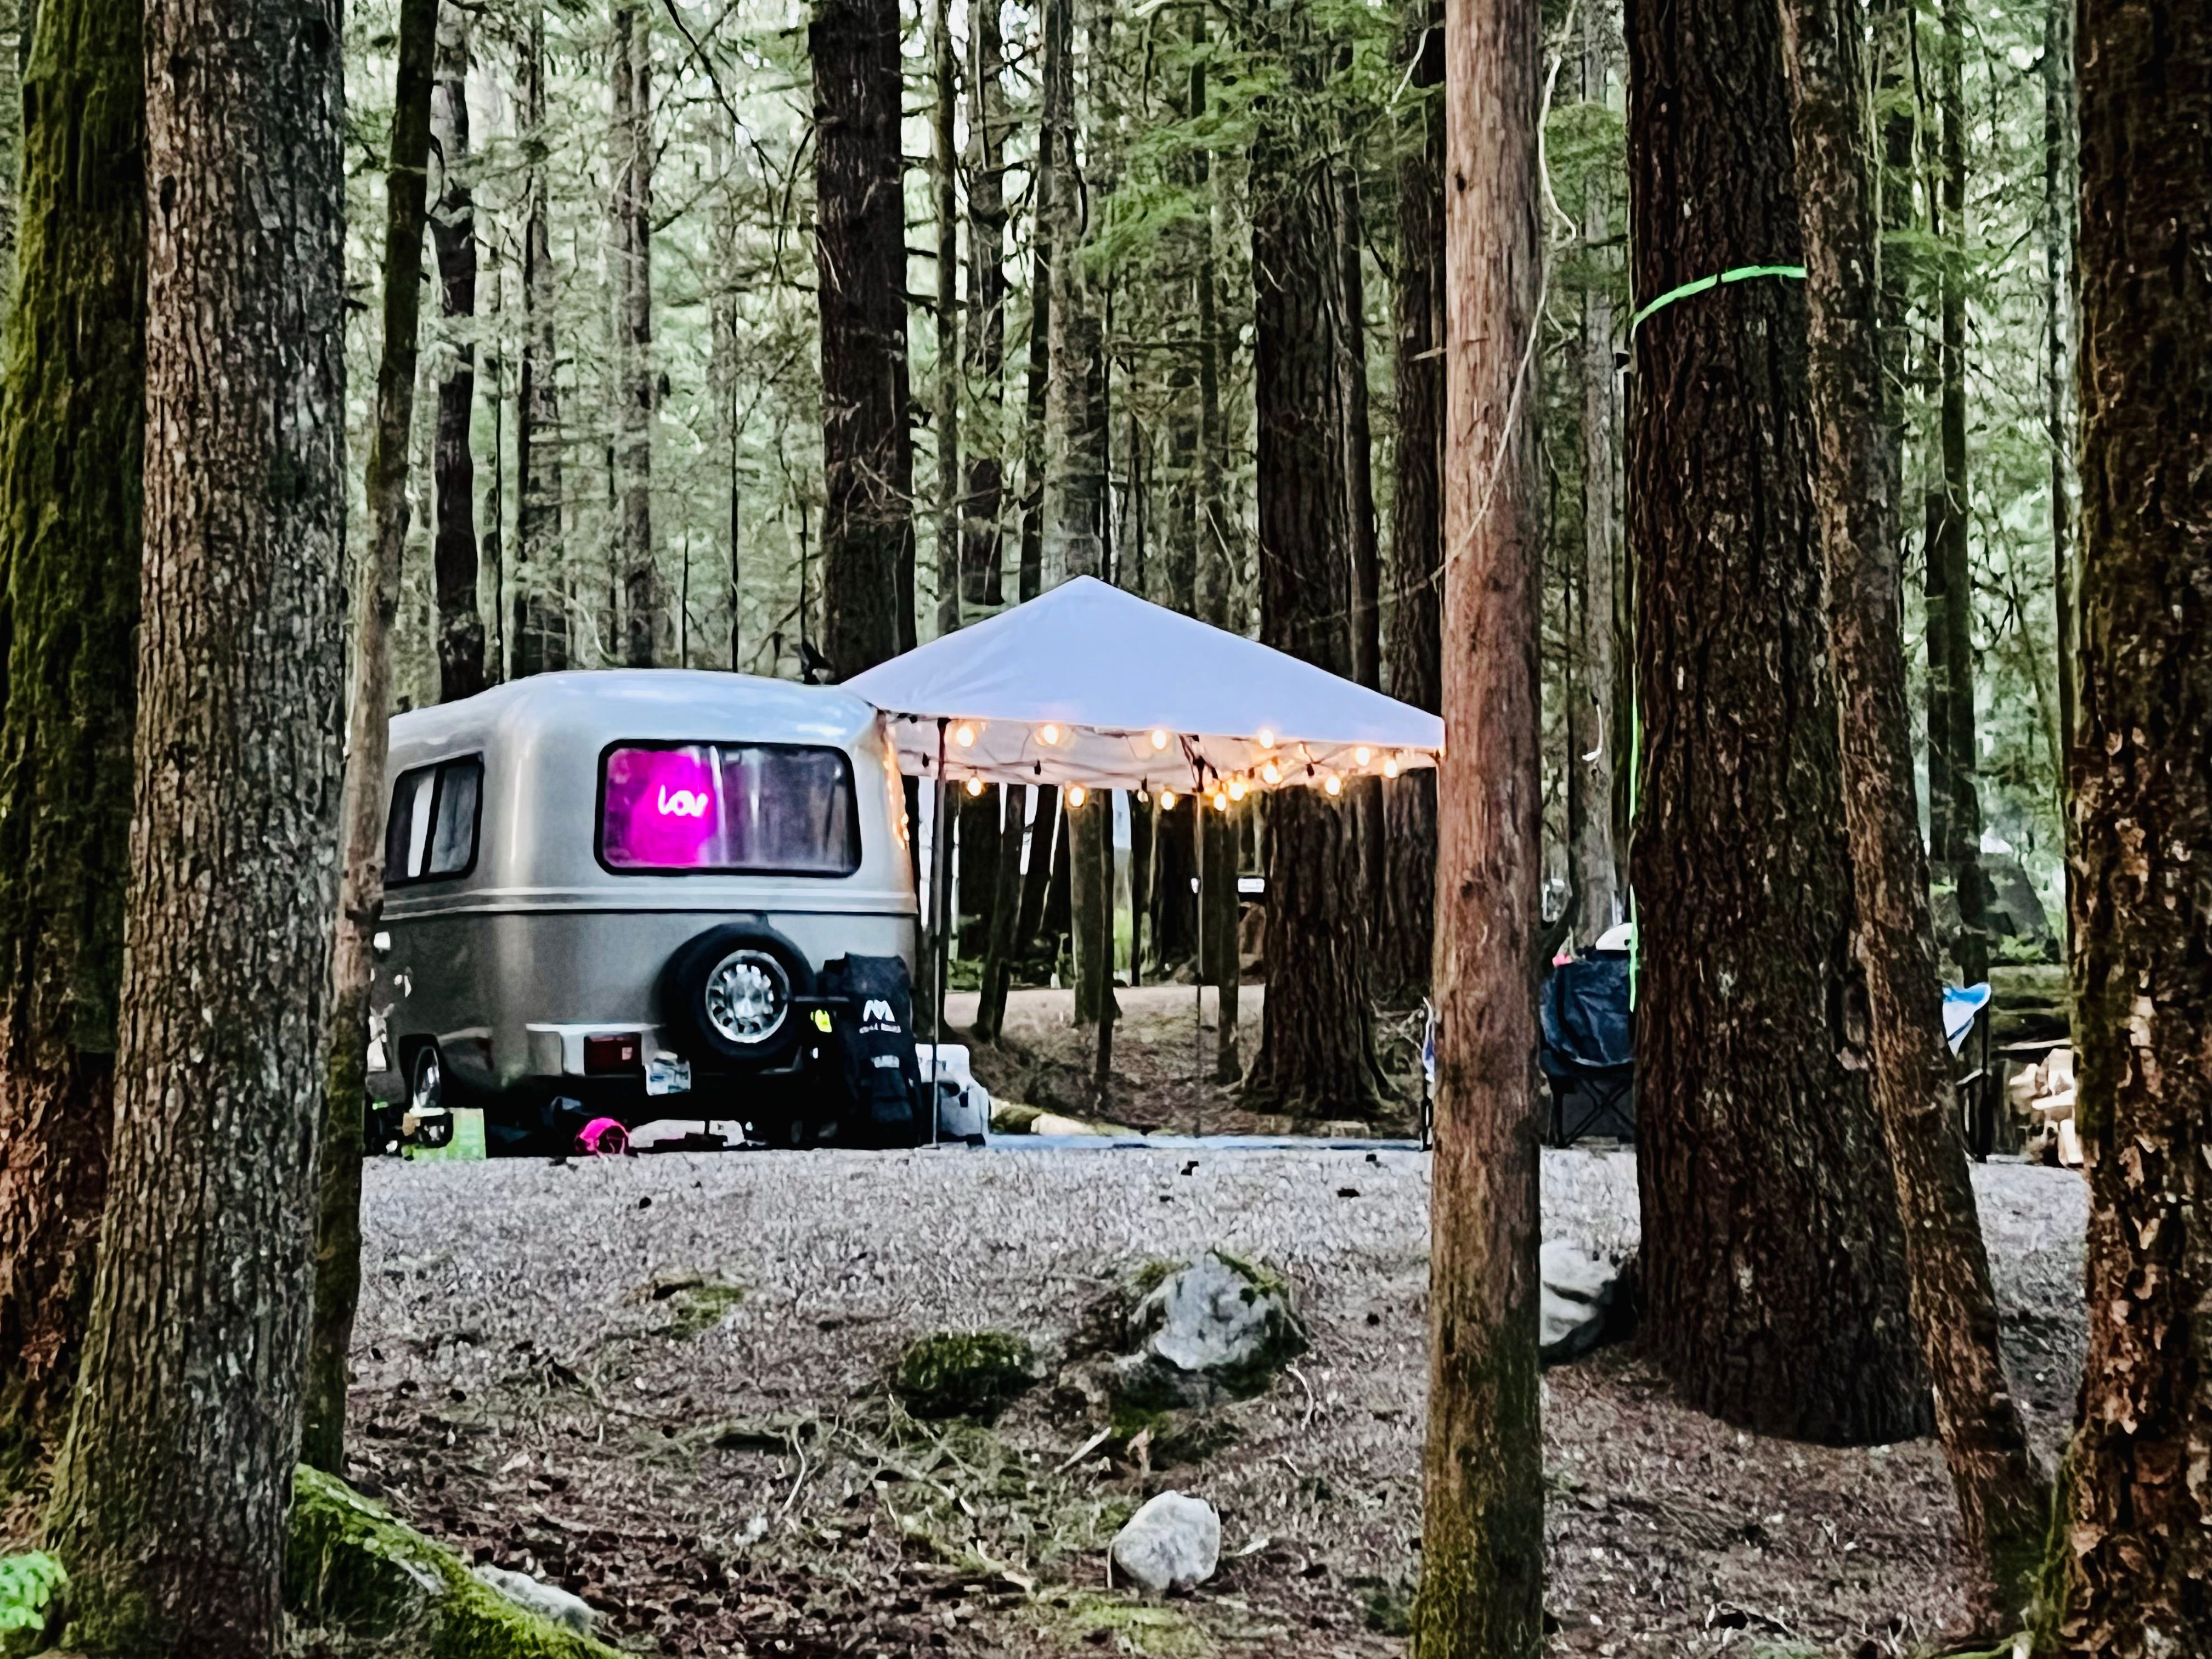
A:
[(1741, 274)]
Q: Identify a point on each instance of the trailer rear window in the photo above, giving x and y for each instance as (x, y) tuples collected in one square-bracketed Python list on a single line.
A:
[(766, 809), (431, 833)]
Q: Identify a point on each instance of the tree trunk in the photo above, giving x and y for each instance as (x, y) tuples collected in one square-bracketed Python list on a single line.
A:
[(1219, 911), (1405, 942), (2003, 1503), (645, 600), (1030, 577), (1774, 1274), (1317, 1056), (2058, 234), (541, 612), (1590, 706), (171, 1494), (1950, 584), (1482, 1519), (453, 231), (1075, 429), (1036, 879), (1363, 794), (1006, 908), (860, 257), (368, 703), (1174, 906), (980, 581), (71, 440), (944, 185), (1142, 828), (1090, 833), (2137, 1552)]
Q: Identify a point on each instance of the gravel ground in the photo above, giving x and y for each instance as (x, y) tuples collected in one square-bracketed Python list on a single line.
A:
[(659, 1381)]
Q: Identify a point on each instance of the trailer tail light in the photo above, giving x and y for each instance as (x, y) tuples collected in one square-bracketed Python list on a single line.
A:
[(614, 1055)]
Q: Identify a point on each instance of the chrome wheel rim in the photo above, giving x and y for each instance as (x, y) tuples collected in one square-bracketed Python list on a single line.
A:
[(748, 997)]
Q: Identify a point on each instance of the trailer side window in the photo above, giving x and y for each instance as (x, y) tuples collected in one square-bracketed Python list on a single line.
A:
[(761, 808), (432, 832)]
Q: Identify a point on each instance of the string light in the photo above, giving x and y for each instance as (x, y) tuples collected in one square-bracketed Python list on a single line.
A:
[(1159, 738), (974, 786), (1144, 796), (1048, 734), (1362, 754), (1237, 789), (1271, 773), (1266, 737), (1333, 785), (1220, 801), (1167, 800), (1389, 766), (964, 735), (1077, 794)]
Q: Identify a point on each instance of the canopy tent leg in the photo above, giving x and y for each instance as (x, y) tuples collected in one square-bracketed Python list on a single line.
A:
[(941, 873)]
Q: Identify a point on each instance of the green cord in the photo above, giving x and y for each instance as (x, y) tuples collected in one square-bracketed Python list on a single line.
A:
[(1741, 274)]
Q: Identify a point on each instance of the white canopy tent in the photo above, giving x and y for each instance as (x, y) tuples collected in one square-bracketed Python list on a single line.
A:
[(1089, 685)]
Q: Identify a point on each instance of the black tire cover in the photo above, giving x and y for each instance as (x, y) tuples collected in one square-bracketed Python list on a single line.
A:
[(683, 993)]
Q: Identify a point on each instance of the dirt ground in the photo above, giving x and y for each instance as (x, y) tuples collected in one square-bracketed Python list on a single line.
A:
[(660, 1382)]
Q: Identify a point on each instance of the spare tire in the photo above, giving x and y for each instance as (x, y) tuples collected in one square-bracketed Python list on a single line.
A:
[(728, 994)]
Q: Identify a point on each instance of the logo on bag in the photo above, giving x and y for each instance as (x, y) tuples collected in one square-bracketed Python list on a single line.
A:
[(683, 803), (877, 1008)]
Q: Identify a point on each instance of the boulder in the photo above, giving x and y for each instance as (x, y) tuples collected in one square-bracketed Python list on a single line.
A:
[(1171, 1544), (350, 1568), (1577, 1290), (549, 1601), (1216, 1329), (964, 1373)]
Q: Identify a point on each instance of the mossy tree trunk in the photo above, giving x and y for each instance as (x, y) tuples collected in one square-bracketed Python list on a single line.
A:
[(171, 1493), (2003, 1501), (70, 438), (2136, 1548), (453, 230), (1773, 1260), (1482, 1519), (361, 873), (540, 625)]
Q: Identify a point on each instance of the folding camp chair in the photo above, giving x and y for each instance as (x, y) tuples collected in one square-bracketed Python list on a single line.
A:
[(1588, 1051)]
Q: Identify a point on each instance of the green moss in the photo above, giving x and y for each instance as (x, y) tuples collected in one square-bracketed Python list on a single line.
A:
[(697, 1304), (1178, 1437), (1388, 1609), (1148, 1630), (28, 1585), (350, 1565), (965, 1374)]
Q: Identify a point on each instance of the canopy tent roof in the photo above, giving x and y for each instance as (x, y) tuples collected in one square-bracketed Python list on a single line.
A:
[(1087, 684)]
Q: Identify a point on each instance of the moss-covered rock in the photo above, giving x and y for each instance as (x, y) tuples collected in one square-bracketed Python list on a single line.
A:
[(352, 1568), (975, 1373), (1218, 1329)]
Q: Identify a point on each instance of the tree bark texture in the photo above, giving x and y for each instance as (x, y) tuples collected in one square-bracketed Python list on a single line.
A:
[(368, 702), (1075, 412), (1029, 575), (1317, 1056), (1405, 934), (2003, 1503), (1363, 795), (1036, 878), (1175, 862), (945, 165), (2136, 1550), (541, 613), (72, 434), (1590, 704), (981, 584), (1006, 912), (2059, 231), (1220, 908), (1774, 1272), (1482, 1517), (171, 1491), (860, 259), (648, 629), (453, 233)]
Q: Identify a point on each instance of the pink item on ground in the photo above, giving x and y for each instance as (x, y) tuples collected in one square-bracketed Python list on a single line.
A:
[(603, 1137)]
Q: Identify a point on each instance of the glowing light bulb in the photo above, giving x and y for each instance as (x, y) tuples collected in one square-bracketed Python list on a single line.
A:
[(974, 786), (1237, 789), (1389, 766), (1266, 737), (1144, 796), (1077, 794), (1332, 785), (1271, 773), (1167, 800), (964, 735), (1220, 801), (1159, 739), (1048, 734), (1362, 754)]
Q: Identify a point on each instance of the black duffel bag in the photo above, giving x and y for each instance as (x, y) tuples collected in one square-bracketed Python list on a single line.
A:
[(873, 1026)]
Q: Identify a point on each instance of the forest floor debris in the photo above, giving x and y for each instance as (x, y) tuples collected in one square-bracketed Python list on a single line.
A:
[(751, 1487)]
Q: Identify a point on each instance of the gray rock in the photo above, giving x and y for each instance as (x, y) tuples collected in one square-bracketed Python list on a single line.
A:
[(1577, 1289), (1216, 1329), (1171, 1544), (549, 1601)]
